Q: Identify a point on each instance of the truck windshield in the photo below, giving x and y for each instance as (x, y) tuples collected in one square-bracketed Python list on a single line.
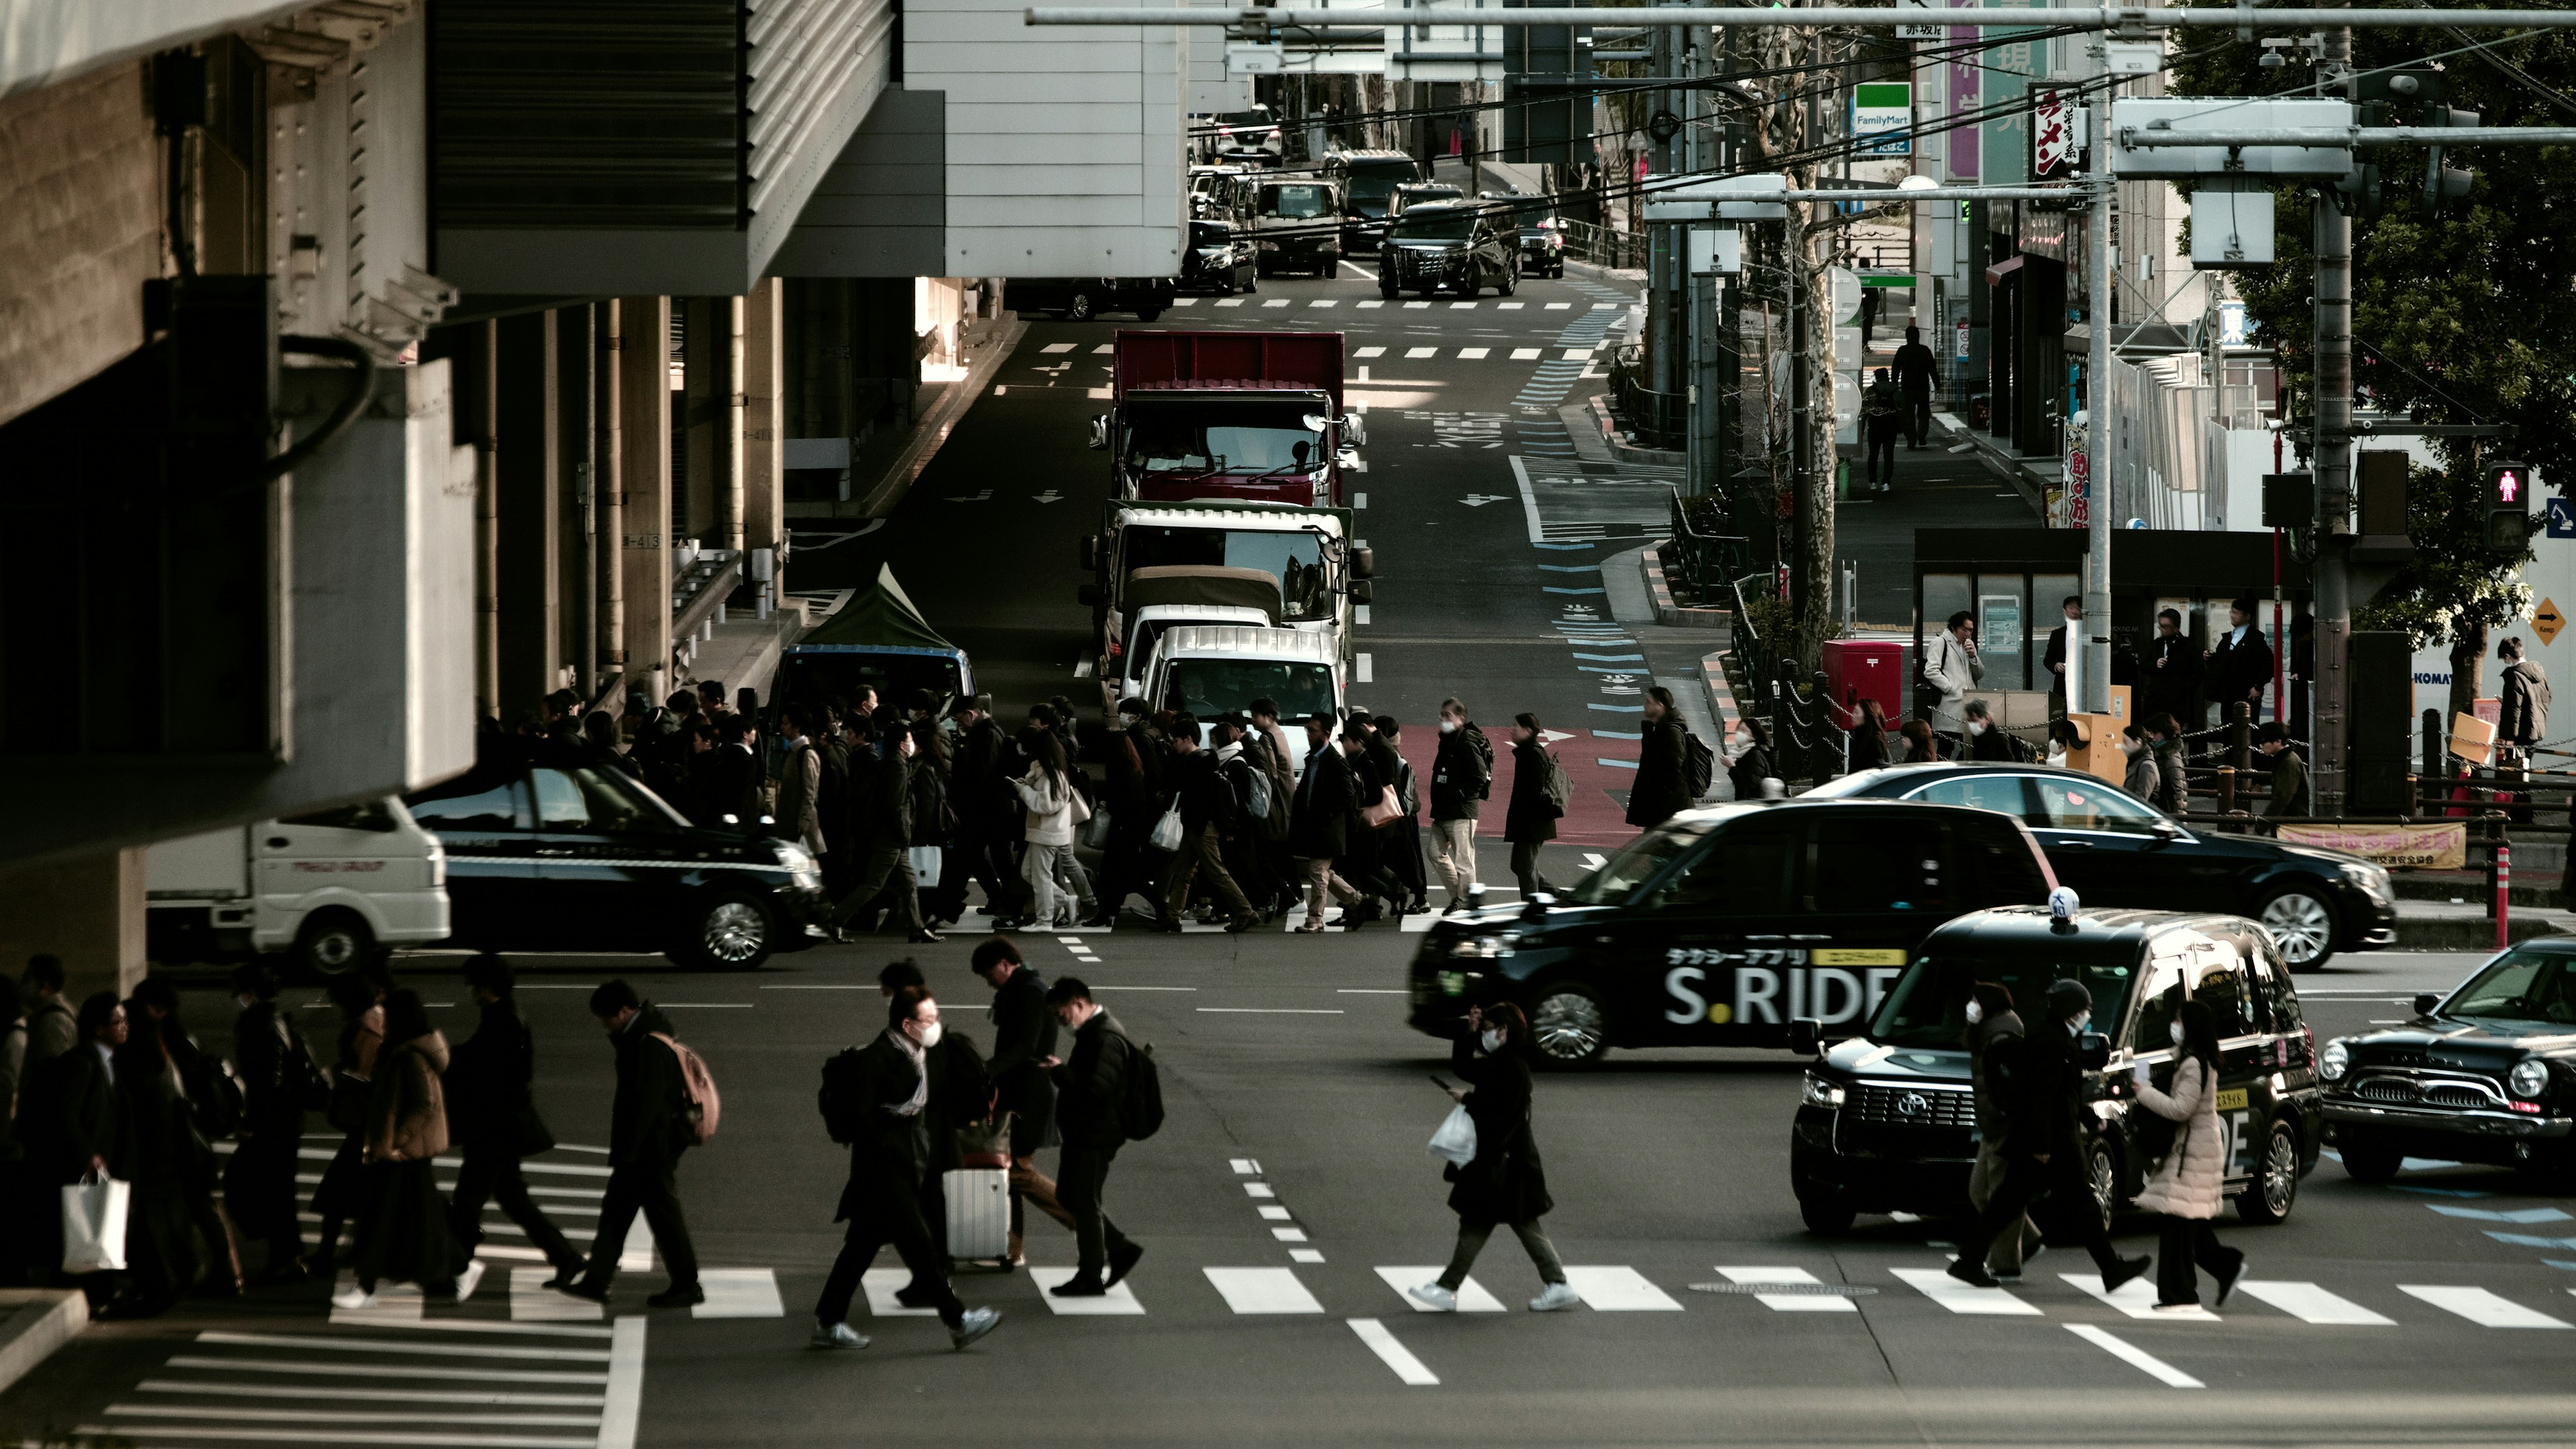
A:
[(1374, 182), (1443, 225), (2521, 986), (1207, 687), (1926, 1007), (1200, 438), (1295, 202), (1294, 557)]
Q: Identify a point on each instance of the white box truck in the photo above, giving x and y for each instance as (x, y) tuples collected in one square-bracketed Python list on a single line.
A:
[(330, 888)]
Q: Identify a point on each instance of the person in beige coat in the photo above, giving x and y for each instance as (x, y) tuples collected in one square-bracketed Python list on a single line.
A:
[(2185, 1187), (403, 1232)]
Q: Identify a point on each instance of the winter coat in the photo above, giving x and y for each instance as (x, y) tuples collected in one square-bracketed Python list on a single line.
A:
[(272, 1059), (1091, 1084), (1994, 1114), (2173, 780), (891, 1150), (1954, 671), (888, 823), (1049, 799), (1200, 787), (1747, 771), (1462, 773), (51, 1031), (2289, 785), (1868, 746), (1663, 788), (977, 785), (1319, 826), (648, 1117), (2522, 716), (2186, 1184), (800, 790), (406, 1110), (1530, 816), (73, 1111), (2170, 679), (1024, 1033), (928, 802), (2039, 1079), (2143, 779), (1505, 1182), (2237, 671), (489, 1103)]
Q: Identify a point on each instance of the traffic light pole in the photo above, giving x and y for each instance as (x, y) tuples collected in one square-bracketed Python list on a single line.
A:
[(2332, 601)]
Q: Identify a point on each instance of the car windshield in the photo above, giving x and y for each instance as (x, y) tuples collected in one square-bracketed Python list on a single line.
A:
[(1295, 557), (1925, 1008), (1244, 118), (1207, 687), (1444, 225), (1223, 438), (1376, 181), (1634, 864), (1296, 202), (2521, 985), (1210, 233)]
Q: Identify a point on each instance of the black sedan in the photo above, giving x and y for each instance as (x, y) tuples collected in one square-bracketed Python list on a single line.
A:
[(547, 851), (2117, 850), (1219, 260), (1436, 247), (2485, 1074)]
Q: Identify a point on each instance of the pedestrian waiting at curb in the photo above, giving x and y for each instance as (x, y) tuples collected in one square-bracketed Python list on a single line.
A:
[(1530, 820), (1504, 1183)]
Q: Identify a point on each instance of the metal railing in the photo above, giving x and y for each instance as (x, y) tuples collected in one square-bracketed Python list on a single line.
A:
[(1603, 246), (1703, 562), (1654, 419)]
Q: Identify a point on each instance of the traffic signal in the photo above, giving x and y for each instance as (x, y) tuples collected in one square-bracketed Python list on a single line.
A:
[(2357, 194), (2446, 183), (2508, 488)]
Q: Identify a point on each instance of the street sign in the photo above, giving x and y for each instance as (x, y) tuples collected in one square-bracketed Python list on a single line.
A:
[(1919, 32), (2562, 518), (2052, 136), (1883, 110), (2546, 621)]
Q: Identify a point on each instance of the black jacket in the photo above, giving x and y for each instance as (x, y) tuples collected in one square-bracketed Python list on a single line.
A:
[(1662, 790), (1462, 773), (1916, 372), (1386, 767), (1506, 1183), (832, 795), (890, 1151), (975, 787), (72, 1113), (1091, 1086), (2237, 671), (1530, 815), (275, 1067), (2522, 714), (2170, 677), (2055, 656), (887, 824), (1204, 794), (2039, 1079), (961, 1092), (1749, 771), (725, 781), (1320, 824), (1994, 744), (1024, 1032), (490, 1104), (648, 1124)]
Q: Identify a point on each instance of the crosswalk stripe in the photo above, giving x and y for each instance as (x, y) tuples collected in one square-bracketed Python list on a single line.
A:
[(739, 1293), (1409, 306), (1276, 302), (1185, 301), (1414, 352), (881, 1285), (1057, 347), (1960, 1297), (1472, 354), (1370, 352), (1578, 354), (2311, 1304), (532, 1302), (2136, 1298), (1509, 306), (1371, 302), (1323, 302), (1525, 354), (1788, 1302), (1472, 1297), (2477, 1305), (1619, 1289), (1262, 1290), (1394, 1355), (1104, 350), (1558, 306), (488, 1398), (1119, 1301), (1231, 302), (2134, 1356), (396, 1303)]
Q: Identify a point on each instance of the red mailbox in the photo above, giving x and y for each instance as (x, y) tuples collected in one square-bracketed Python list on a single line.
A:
[(1858, 669)]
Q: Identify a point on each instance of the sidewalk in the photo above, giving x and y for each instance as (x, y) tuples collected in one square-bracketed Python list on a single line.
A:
[(1935, 488), (888, 462)]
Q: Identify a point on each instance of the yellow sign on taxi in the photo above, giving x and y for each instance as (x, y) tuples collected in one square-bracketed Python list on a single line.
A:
[(2231, 1099), (2546, 621), (1850, 957)]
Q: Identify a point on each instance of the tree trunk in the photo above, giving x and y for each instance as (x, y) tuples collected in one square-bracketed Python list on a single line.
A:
[(1815, 483), (2468, 669)]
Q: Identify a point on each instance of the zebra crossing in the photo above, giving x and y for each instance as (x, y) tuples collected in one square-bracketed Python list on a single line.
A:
[(1367, 304), (1574, 358)]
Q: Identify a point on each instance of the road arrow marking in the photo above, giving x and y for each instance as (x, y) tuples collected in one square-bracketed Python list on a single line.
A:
[(1479, 500), (1049, 496)]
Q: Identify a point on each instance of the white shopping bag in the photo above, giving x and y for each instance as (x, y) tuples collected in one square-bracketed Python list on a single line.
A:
[(1167, 831), (94, 1225), (926, 860), (1456, 1139)]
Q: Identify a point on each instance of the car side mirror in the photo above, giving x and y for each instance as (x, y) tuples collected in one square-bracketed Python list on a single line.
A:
[(1363, 592), (1806, 1036), (2426, 1001), (1090, 551), (1363, 563), (2094, 1049), (1100, 432), (1087, 595), (2164, 829)]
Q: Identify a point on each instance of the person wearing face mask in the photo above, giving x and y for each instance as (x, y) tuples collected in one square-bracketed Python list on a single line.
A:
[(2142, 780), (878, 1098), (1985, 742), (1505, 1182), (2041, 1079), (2185, 1187), (1991, 1019)]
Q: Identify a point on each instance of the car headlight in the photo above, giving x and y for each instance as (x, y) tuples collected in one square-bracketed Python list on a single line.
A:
[(1818, 1092), (2334, 1061), (2529, 1077), (2369, 879), (1481, 948)]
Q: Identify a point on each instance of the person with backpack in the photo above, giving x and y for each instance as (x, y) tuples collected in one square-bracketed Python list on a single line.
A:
[(2185, 1187), (876, 1099), (1462, 777), (652, 1120), (493, 1111), (1663, 781), (1504, 1182), (1209, 813), (212, 1099), (1538, 796), (1248, 777), (1107, 1094)]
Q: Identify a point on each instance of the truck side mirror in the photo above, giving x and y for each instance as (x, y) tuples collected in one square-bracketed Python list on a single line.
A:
[(1090, 551), (1355, 429), (2094, 1049), (1363, 563), (1363, 592), (1087, 595), (1100, 431), (1806, 1035)]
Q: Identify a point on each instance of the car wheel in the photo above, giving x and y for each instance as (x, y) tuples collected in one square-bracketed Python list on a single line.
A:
[(1248, 287), (1826, 1216), (731, 931), (1082, 309), (2366, 1158), (2275, 1188), (1509, 284), (333, 942), (2302, 922), (1148, 314), (2104, 1178), (1569, 1027)]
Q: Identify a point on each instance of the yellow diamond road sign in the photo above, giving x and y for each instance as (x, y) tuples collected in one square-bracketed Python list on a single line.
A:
[(2546, 621)]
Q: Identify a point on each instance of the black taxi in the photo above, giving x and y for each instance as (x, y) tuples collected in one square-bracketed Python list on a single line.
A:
[(1887, 1120), (1722, 926)]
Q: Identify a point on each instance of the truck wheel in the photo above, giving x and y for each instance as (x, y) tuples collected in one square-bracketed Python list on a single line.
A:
[(1569, 1027), (334, 941), (728, 931), (2275, 1188), (1082, 308), (2367, 1158)]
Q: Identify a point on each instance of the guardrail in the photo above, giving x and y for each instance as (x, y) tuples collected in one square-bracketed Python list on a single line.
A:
[(1654, 419), (1702, 562), (1604, 247)]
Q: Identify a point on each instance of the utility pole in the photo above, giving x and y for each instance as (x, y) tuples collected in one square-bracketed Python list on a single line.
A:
[(1665, 368), (2332, 603), (2097, 403)]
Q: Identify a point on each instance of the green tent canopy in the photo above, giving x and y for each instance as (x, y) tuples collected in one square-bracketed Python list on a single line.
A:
[(883, 622)]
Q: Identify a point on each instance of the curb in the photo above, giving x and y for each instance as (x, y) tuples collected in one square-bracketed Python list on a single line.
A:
[(1721, 695), (1661, 595), (33, 1323), (1620, 447), (2468, 934)]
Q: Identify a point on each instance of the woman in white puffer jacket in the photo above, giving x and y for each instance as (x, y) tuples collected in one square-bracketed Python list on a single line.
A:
[(1054, 810), (2185, 1186)]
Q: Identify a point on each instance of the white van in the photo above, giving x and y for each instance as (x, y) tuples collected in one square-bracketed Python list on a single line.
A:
[(1210, 670), (332, 888)]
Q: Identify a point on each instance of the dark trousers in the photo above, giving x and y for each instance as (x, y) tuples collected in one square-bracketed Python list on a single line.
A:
[(1525, 868), (490, 1176), (2062, 1175), (1882, 451), (997, 870), (1918, 420), (1079, 1177), (887, 872), (1127, 865), (259, 1191), (1203, 853), (897, 1220), (2183, 1240), (1400, 851), (648, 1188)]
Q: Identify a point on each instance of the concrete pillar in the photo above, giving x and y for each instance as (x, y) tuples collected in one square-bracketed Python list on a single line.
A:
[(644, 483), (471, 357), (609, 404), (764, 479), (577, 437), (530, 514), (729, 459), (87, 911), (702, 344)]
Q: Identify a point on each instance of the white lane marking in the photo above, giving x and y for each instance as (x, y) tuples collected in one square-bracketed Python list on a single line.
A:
[(1305, 1255), (1461, 306), (390, 1345), (1525, 354), (1360, 614), (532, 1302), (1619, 1289), (1594, 860), (239, 1366), (1411, 306), (1276, 302), (2477, 1305), (1412, 353), (1323, 302), (1418, 923), (483, 1398), (1057, 347), (2311, 1304), (1359, 500), (2134, 1356), (1367, 670), (1577, 354), (1082, 667), (1258, 1189), (1529, 499), (1262, 1290), (1185, 301), (411, 1427), (1274, 1213), (1509, 306), (1288, 1235), (1472, 1297), (739, 1293), (2500, 1215), (617, 1423), (1391, 1353), (1243, 1166), (1372, 302), (1788, 1302), (1472, 354), (2137, 1298), (1370, 352), (1558, 306), (1960, 1297), (1144, 988), (881, 1285), (1119, 1301), (1231, 302), (1364, 372), (1361, 270), (1606, 306)]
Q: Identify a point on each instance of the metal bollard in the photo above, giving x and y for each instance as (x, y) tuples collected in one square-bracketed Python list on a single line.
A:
[(2503, 894)]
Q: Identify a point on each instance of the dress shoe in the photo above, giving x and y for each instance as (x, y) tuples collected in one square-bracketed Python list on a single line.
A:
[(679, 1296), (924, 938), (1122, 1261), (586, 1288), (1972, 1273), (1079, 1286)]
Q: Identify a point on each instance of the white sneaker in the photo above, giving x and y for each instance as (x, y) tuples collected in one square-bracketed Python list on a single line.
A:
[(836, 1335), (1558, 1295), (353, 1297), (1437, 1296), (466, 1280)]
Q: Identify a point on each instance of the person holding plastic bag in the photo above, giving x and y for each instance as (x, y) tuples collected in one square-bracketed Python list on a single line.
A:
[(78, 1132), (1504, 1182), (169, 1159)]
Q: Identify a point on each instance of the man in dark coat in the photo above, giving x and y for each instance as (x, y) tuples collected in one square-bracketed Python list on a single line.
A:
[(2039, 1079), (960, 1094), (1917, 373), (2171, 671), (725, 779), (832, 805), (1359, 863), (2522, 711), (1663, 783), (1135, 800), (277, 1071), (884, 839), (1530, 820), (878, 1096), (1209, 813), (1024, 1032), (1462, 774), (648, 1129), (2054, 660), (75, 1121), (2240, 666), (492, 1113), (1091, 1096), (1319, 822), (987, 819), (209, 1108)]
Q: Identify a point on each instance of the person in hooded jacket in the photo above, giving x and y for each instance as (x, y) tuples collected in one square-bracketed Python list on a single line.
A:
[(1752, 764), (1991, 1019), (492, 1111), (648, 1128), (1505, 1183), (2142, 779), (403, 1232), (2186, 1187)]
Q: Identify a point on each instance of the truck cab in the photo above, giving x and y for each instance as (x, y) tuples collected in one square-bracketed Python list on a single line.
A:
[(1256, 416), (1211, 670), (1160, 565), (331, 888)]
